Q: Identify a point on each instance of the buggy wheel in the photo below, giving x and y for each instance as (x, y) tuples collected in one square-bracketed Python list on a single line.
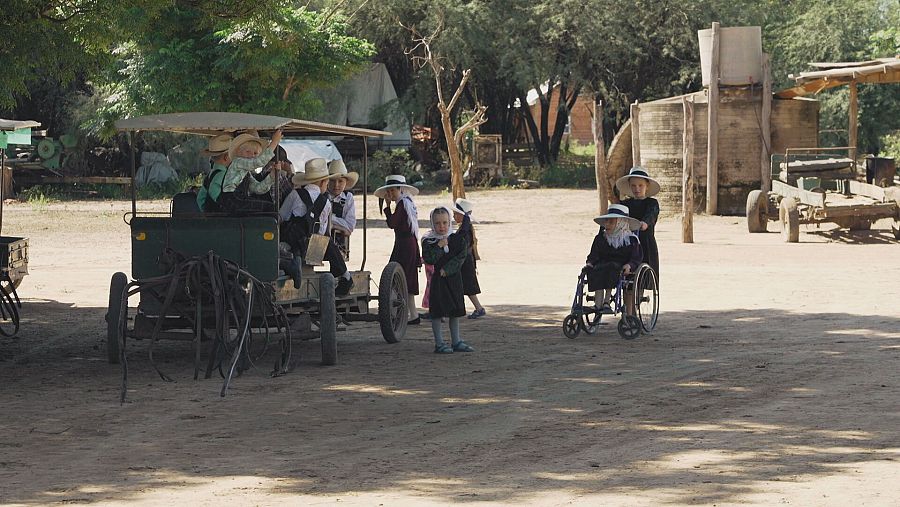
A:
[(629, 327), (571, 326), (646, 297), (757, 211), (895, 228), (392, 296), (790, 220), (327, 319), (115, 324), (15, 284)]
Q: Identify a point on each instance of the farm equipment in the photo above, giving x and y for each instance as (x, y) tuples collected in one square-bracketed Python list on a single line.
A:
[(817, 186)]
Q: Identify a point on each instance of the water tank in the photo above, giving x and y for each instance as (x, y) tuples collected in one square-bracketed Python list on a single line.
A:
[(740, 55)]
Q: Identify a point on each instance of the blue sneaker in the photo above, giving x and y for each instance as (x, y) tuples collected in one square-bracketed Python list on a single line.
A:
[(478, 313)]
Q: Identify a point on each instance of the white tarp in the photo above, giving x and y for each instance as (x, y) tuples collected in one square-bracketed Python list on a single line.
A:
[(154, 168), (299, 152), (353, 103)]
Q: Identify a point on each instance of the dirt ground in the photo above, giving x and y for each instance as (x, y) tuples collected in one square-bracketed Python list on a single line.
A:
[(771, 379)]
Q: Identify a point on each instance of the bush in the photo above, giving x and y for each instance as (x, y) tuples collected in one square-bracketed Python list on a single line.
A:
[(384, 163)]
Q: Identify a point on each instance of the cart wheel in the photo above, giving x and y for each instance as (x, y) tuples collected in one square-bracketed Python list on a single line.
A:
[(591, 323), (15, 283), (392, 311), (895, 228), (861, 224), (327, 319), (757, 211), (629, 327), (571, 326), (113, 314), (790, 220), (646, 297)]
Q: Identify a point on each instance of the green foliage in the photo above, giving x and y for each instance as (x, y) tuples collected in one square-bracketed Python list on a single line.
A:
[(384, 163), (891, 145)]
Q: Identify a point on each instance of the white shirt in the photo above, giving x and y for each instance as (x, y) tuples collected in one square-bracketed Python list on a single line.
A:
[(294, 206), (347, 220)]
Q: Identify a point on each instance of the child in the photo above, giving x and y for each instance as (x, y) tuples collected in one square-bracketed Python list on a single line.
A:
[(217, 151), (343, 208), (404, 220), (615, 250), (462, 211), (241, 192), (447, 252), (639, 188)]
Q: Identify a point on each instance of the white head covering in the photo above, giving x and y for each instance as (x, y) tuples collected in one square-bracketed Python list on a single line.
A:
[(412, 214), (432, 235)]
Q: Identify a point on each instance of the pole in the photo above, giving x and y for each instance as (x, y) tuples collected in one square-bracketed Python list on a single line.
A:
[(712, 132), (2, 184), (600, 156), (365, 192), (687, 179), (765, 169), (854, 113), (635, 134)]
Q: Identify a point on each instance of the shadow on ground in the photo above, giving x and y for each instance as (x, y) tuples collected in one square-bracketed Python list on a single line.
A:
[(704, 410)]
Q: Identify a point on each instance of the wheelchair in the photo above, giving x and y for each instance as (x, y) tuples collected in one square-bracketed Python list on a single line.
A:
[(635, 300)]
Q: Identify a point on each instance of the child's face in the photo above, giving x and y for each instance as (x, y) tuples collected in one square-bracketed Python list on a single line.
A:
[(610, 223), (441, 223), (336, 186), (392, 194), (457, 217), (248, 150), (638, 187)]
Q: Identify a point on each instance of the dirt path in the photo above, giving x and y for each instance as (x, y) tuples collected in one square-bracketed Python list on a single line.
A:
[(772, 379)]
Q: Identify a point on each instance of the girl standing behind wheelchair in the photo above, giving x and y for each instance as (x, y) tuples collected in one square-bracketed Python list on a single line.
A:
[(637, 189), (615, 251)]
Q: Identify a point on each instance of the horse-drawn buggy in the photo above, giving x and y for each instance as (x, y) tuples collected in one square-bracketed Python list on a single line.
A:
[(215, 279)]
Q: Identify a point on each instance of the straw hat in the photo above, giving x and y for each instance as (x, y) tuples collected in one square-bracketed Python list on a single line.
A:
[(316, 170), (463, 206), (637, 172), (217, 146), (245, 138), (619, 211), (395, 181), (337, 169)]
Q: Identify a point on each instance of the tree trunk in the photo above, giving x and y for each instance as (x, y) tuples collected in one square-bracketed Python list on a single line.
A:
[(456, 169)]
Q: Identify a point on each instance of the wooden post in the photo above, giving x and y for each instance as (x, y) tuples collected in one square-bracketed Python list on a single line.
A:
[(712, 136), (687, 180), (765, 169), (600, 156), (854, 112), (635, 135)]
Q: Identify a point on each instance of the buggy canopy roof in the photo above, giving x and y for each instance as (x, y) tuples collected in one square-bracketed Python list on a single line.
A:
[(210, 123), (832, 74), (16, 124)]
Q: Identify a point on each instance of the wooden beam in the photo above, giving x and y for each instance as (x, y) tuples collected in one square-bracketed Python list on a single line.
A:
[(87, 180), (854, 113), (635, 134), (765, 169), (687, 172), (712, 146), (600, 156), (804, 196), (867, 190)]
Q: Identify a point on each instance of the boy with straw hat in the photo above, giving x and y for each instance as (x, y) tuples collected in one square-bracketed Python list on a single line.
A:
[(616, 250), (343, 208), (217, 150), (240, 190)]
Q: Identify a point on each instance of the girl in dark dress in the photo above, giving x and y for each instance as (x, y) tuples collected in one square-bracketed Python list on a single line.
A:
[(615, 250), (447, 253), (404, 220), (462, 215), (638, 188)]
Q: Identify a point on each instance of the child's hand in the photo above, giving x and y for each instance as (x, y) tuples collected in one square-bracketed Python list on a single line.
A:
[(644, 226), (626, 269), (276, 137), (442, 243), (587, 267), (443, 273)]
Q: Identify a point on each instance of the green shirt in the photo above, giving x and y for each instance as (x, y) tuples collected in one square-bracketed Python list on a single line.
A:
[(241, 167), (211, 192)]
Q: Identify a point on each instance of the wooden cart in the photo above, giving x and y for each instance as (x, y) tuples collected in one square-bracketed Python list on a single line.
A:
[(835, 197)]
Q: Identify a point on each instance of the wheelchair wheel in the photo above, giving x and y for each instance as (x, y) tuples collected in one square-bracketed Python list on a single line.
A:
[(571, 326), (629, 327), (646, 297)]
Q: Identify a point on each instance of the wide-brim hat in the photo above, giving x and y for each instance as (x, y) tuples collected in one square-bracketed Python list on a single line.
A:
[(619, 211), (316, 170), (217, 146), (245, 138), (637, 172), (395, 181), (463, 206), (338, 170)]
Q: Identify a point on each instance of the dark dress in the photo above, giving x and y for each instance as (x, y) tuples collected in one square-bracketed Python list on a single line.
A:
[(608, 261), (446, 298), (469, 268), (406, 246), (647, 211)]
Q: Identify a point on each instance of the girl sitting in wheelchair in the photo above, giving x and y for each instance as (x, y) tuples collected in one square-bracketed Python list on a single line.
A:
[(615, 251)]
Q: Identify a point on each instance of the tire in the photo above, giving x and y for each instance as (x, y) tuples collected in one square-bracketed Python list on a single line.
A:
[(895, 228), (789, 216), (115, 335), (327, 319), (629, 327), (646, 297), (571, 326), (757, 211), (392, 303)]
